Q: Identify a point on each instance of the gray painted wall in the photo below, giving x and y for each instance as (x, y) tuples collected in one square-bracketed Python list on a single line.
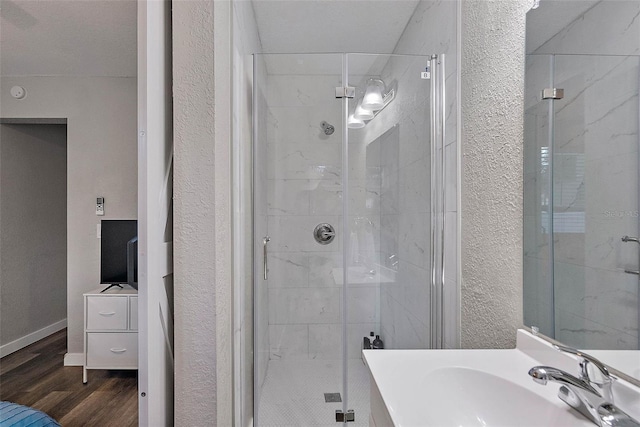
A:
[(101, 162), (492, 181), (33, 226)]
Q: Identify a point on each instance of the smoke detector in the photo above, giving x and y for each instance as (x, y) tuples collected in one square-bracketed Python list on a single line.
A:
[(18, 92)]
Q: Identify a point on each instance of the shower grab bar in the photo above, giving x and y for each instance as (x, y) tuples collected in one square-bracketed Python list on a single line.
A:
[(264, 256)]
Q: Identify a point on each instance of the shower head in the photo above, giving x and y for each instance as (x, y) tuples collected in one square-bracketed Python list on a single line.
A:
[(327, 128)]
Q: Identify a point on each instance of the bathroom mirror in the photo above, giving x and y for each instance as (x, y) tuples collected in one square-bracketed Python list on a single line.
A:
[(581, 161)]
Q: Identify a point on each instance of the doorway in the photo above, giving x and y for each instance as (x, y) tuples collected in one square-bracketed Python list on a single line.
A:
[(33, 224)]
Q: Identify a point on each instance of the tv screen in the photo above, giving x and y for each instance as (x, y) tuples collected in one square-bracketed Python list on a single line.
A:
[(119, 252)]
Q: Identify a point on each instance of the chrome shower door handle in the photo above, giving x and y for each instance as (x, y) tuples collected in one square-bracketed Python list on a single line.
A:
[(265, 241), (631, 239)]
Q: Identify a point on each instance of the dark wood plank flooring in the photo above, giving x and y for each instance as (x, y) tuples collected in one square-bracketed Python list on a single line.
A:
[(36, 376)]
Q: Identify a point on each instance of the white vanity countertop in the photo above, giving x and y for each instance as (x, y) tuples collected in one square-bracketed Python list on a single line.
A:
[(419, 386)]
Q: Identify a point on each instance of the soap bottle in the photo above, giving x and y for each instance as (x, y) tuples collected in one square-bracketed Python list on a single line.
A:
[(366, 343), (377, 343)]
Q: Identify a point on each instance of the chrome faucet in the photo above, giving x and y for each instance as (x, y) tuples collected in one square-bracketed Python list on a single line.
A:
[(603, 385), (590, 396), (575, 392)]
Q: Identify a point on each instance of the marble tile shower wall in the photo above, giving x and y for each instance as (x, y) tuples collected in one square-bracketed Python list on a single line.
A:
[(403, 133), (304, 179), (599, 153), (305, 189), (432, 30), (400, 134), (596, 148)]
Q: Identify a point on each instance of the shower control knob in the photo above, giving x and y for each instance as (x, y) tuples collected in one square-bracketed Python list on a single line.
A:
[(324, 233)]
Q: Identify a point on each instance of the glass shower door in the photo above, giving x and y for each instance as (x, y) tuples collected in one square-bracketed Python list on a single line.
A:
[(388, 221), (538, 223), (298, 143), (344, 226)]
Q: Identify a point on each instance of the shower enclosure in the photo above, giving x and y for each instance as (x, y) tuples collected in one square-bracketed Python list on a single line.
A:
[(581, 255), (348, 222)]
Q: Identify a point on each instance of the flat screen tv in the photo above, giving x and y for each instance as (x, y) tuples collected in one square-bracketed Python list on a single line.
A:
[(119, 252)]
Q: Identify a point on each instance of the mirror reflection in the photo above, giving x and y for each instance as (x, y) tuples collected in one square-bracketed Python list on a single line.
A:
[(581, 250)]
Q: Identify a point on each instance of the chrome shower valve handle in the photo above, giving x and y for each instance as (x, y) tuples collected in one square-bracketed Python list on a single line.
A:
[(324, 233)]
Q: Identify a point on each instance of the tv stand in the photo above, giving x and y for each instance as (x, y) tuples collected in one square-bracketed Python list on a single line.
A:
[(111, 286), (110, 330)]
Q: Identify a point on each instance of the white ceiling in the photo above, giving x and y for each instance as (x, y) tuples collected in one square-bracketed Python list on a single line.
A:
[(290, 26), (551, 17), (68, 37), (98, 37), (329, 26)]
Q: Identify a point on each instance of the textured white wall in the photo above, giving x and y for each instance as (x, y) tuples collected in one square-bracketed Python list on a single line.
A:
[(33, 204), (202, 209), (493, 40), (101, 162), (492, 127)]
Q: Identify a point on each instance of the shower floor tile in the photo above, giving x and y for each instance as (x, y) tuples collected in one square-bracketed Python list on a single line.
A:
[(293, 393)]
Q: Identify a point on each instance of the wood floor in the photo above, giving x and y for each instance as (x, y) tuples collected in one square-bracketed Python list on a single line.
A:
[(35, 377)]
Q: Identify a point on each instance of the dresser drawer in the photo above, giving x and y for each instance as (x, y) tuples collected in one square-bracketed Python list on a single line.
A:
[(107, 313), (107, 350)]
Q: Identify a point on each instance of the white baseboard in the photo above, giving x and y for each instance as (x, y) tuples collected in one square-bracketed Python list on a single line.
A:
[(29, 339), (74, 359)]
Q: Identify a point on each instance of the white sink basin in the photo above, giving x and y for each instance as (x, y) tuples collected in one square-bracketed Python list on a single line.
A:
[(422, 388), (468, 397)]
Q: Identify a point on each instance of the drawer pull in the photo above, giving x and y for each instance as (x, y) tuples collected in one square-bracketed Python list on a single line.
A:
[(106, 313), (118, 350)]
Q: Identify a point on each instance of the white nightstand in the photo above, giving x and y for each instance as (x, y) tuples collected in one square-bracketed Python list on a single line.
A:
[(110, 329)]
